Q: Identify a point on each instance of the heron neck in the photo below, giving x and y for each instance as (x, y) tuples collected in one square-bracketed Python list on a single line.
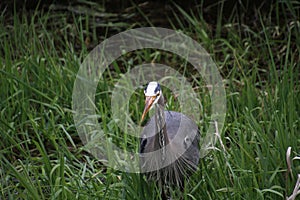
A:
[(161, 129)]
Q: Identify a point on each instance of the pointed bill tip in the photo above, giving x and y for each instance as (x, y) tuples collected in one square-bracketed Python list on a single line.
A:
[(148, 104)]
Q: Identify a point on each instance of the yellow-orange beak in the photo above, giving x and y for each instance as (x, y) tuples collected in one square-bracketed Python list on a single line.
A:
[(148, 103)]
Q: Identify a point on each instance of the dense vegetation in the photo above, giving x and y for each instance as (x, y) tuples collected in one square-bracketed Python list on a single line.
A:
[(256, 48)]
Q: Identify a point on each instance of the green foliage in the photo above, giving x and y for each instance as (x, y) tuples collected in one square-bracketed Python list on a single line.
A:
[(41, 155)]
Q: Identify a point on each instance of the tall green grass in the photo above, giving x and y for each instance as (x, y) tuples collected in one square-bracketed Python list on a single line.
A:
[(41, 155)]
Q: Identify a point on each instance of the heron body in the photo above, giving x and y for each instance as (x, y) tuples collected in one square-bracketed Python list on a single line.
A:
[(169, 147)]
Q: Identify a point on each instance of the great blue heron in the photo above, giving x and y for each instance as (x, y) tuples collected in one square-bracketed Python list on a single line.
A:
[(169, 148)]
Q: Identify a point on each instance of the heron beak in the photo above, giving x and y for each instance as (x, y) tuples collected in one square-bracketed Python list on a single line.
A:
[(148, 104)]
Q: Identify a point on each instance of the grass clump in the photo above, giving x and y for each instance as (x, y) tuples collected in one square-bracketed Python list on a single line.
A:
[(41, 155)]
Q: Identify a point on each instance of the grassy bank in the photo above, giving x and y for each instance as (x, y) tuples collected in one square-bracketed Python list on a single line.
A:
[(41, 155)]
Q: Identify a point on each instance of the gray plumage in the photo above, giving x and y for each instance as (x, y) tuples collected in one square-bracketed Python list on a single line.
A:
[(169, 147)]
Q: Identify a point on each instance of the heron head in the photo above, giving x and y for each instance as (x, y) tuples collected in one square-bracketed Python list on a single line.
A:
[(152, 93)]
